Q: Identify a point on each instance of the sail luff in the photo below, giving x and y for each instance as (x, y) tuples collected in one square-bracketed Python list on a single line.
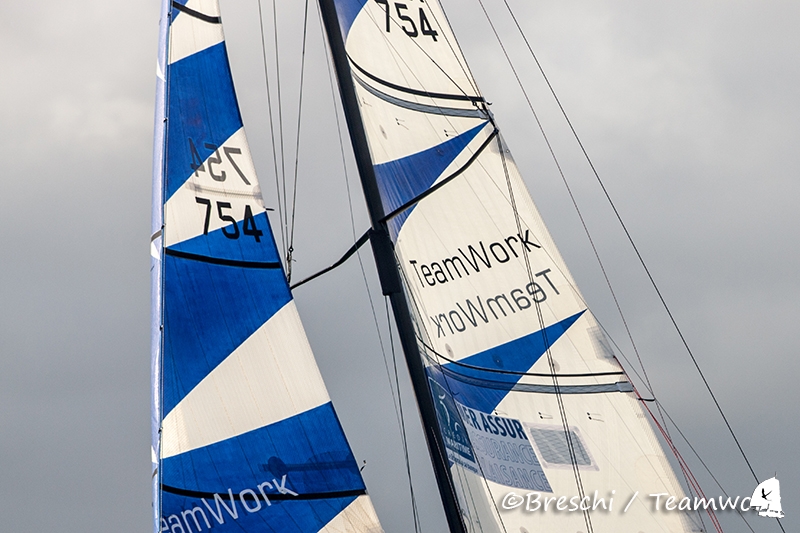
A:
[(383, 251), (156, 252)]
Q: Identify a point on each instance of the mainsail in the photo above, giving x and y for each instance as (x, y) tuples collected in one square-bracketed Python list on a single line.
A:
[(244, 434), (528, 394)]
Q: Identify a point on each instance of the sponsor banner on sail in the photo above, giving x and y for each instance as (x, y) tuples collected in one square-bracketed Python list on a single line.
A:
[(493, 446)]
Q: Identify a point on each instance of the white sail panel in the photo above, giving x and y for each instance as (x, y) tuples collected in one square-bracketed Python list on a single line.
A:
[(515, 359), (245, 436)]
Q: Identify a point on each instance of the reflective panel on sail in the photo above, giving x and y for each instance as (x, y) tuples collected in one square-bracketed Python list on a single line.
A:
[(529, 395), (245, 436)]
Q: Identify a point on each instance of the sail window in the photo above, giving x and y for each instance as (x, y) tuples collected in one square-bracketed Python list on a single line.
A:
[(552, 446)]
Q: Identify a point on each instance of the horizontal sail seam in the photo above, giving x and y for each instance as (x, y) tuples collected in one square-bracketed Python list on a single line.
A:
[(620, 386), (276, 496), (223, 262)]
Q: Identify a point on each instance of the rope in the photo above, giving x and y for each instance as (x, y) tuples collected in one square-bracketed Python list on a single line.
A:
[(272, 131), (633, 245), (297, 146), (280, 129), (404, 437)]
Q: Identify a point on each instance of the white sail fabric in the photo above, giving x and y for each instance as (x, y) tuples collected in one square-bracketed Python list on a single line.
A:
[(499, 319), (245, 437)]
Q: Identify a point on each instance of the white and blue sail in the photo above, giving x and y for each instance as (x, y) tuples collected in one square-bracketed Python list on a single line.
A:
[(529, 395), (245, 437)]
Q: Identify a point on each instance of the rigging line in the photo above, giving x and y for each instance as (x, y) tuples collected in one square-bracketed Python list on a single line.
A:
[(551, 362), (685, 467), (705, 466), (347, 255), (463, 64), (272, 131), (633, 245), (280, 125), (347, 180), (297, 144), (347, 184), (420, 328), (404, 437), (350, 205), (613, 341), (477, 462), (578, 211)]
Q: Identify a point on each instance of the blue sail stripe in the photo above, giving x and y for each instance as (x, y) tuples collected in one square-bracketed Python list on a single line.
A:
[(244, 248), (403, 179), (209, 310), (308, 449), (347, 11), (516, 356), (202, 107)]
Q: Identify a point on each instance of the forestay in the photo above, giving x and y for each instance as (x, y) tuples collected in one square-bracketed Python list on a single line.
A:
[(530, 397), (244, 434)]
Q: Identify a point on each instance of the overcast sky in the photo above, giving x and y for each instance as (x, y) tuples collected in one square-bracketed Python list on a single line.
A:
[(688, 108)]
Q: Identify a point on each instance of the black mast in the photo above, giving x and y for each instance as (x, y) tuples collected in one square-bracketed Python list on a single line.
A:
[(391, 284)]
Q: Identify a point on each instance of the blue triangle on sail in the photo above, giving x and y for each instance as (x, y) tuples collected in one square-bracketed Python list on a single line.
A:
[(201, 328), (403, 179), (503, 365), (202, 109), (347, 11), (309, 449), (219, 245)]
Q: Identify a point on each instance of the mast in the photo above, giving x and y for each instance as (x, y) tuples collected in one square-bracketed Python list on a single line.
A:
[(391, 284)]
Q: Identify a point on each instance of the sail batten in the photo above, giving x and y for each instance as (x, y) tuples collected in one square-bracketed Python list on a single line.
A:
[(245, 435)]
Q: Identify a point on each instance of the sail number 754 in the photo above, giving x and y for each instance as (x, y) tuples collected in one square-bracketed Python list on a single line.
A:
[(406, 20), (231, 231)]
